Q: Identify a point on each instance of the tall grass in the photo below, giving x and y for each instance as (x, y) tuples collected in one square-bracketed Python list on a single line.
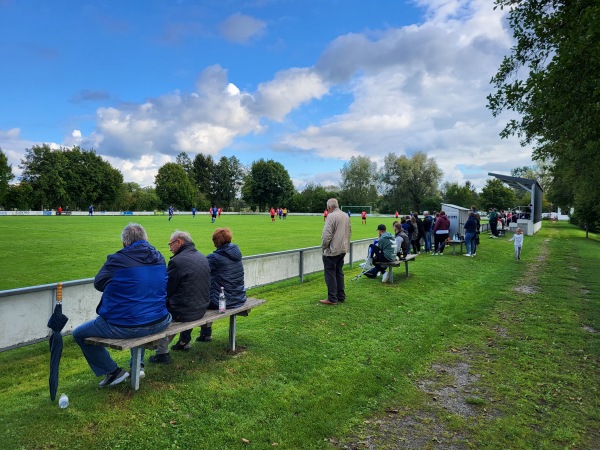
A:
[(309, 375)]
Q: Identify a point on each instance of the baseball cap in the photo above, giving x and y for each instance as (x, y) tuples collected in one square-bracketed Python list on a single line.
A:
[(381, 227)]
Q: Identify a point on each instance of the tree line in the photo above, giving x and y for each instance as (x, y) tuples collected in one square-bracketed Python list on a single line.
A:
[(74, 178)]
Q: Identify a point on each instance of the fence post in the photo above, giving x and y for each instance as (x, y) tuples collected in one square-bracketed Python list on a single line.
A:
[(301, 266)]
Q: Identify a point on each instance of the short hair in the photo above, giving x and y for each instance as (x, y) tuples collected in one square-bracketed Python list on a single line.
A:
[(133, 232), (397, 226), (471, 213), (183, 235), (221, 236), (332, 203), (442, 213), (425, 213)]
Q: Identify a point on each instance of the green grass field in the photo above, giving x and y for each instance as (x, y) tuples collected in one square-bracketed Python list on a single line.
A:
[(481, 352), (66, 248)]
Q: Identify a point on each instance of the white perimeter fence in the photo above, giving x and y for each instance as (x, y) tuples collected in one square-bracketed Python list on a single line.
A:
[(24, 312)]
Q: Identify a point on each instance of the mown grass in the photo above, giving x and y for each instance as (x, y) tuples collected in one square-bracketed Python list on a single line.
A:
[(309, 375)]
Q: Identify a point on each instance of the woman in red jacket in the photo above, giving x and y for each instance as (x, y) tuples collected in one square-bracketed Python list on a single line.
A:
[(441, 229)]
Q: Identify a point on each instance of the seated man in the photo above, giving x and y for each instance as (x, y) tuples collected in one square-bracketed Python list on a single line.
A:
[(402, 241), (383, 251), (187, 291), (133, 282)]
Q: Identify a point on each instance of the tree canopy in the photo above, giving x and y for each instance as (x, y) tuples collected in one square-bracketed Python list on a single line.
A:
[(267, 184), (551, 80), (359, 181), (6, 176), (173, 187)]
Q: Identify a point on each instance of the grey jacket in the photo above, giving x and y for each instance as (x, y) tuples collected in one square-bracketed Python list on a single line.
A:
[(335, 239)]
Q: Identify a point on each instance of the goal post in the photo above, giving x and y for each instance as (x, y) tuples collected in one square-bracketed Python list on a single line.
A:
[(354, 209)]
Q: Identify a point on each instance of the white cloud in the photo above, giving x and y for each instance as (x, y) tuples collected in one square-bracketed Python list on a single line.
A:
[(241, 28)]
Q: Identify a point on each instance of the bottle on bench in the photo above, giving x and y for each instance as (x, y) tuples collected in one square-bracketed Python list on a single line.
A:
[(222, 301)]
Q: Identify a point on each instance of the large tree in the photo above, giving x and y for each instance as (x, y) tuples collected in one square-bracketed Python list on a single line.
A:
[(71, 178), (359, 182), (204, 170), (455, 194), (407, 183), (551, 80), (173, 187), (267, 184), (6, 176), (227, 181), (495, 194), (313, 198)]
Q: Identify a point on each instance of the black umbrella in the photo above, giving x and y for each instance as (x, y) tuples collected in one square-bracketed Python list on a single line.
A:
[(57, 322)]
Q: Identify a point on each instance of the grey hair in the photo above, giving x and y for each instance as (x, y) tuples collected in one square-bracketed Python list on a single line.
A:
[(133, 232), (183, 235), (332, 203)]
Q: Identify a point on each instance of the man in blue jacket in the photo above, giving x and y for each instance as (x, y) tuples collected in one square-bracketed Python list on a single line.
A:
[(133, 282)]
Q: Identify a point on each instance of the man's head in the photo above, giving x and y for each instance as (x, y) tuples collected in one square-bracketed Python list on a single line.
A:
[(133, 232), (178, 238), (381, 229), (332, 204)]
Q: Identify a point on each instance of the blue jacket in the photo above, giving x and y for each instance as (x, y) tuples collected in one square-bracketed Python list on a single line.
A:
[(133, 283), (227, 270)]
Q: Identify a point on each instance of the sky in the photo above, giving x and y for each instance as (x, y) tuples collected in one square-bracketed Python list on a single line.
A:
[(307, 83)]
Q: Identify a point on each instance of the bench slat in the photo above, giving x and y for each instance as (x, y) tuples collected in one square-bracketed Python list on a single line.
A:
[(151, 340)]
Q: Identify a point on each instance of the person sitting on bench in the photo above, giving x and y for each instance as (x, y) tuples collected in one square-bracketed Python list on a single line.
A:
[(383, 251)]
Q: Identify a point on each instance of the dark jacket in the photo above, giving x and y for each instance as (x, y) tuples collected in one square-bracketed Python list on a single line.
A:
[(188, 287), (227, 270), (471, 225), (133, 283), (420, 227)]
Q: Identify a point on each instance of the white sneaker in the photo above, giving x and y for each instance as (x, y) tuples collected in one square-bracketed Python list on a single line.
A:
[(385, 277), (467, 254), (142, 373)]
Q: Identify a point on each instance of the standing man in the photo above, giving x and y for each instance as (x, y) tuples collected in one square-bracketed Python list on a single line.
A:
[(133, 282), (493, 220), (188, 291), (194, 212), (363, 217), (213, 213), (171, 210), (335, 242), (90, 210)]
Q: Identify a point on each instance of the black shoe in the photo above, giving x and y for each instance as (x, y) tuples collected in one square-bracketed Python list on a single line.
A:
[(116, 377), (180, 346), (370, 275), (204, 338), (163, 358)]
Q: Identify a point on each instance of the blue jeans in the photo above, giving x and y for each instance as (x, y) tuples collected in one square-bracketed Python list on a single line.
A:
[(427, 241), (470, 242), (97, 357)]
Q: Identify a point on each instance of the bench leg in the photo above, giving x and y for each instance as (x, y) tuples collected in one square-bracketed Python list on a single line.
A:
[(406, 265), (232, 323), (391, 276), (136, 354)]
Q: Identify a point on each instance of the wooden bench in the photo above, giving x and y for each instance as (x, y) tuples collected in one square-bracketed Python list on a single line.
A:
[(151, 341), (454, 243), (397, 263)]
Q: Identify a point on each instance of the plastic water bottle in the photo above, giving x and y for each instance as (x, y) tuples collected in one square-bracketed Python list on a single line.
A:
[(222, 301), (63, 401)]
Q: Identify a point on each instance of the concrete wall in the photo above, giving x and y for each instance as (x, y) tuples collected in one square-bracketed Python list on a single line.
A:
[(24, 312)]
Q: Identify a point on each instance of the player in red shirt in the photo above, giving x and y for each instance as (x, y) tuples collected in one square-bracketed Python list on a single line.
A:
[(363, 216)]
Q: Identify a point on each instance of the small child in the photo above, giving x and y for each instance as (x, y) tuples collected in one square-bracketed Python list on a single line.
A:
[(518, 240)]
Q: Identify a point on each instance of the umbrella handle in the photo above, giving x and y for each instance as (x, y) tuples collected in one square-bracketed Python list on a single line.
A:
[(59, 293)]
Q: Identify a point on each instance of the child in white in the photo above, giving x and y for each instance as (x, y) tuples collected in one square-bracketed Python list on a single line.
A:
[(518, 240)]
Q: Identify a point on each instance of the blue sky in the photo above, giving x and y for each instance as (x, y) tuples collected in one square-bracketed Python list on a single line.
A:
[(308, 83)]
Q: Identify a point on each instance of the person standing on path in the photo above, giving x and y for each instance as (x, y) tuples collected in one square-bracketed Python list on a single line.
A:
[(335, 242)]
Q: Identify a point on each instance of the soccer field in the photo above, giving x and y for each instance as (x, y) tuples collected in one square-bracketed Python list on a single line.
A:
[(48, 249)]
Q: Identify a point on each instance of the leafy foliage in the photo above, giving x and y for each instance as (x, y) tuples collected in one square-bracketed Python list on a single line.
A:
[(551, 80), (267, 184), (6, 176), (173, 187), (71, 178), (455, 194), (495, 194), (407, 182), (359, 181)]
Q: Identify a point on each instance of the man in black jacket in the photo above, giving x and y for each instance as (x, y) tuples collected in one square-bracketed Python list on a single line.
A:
[(188, 291)]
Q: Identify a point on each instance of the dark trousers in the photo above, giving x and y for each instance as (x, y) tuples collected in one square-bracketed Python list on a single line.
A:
[(494, 228), (439, 239), (334, 277)]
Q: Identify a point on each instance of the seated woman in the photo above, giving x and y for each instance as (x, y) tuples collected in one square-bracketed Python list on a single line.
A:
[(227, 271)]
